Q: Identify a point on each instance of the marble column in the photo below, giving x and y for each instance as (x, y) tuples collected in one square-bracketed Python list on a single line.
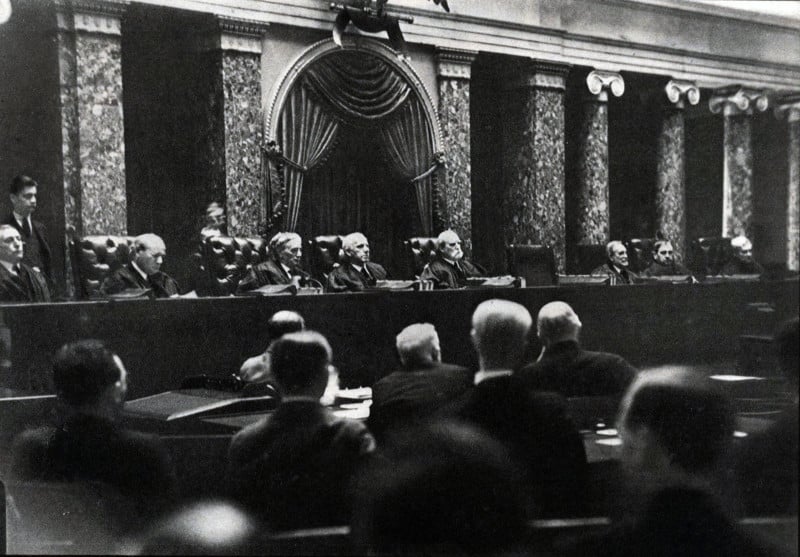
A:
[(533, 158), (737, 104), (454, 196), (788, 107), (92, 126), (590, 223), (670, 166), (240, 44)]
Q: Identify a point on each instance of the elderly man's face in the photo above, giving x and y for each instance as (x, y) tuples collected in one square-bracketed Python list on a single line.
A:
[(359, 251), (11, 246), (151, 257), (292, 253), (619, 256), (664, 254), (744, 252), (451, 249)]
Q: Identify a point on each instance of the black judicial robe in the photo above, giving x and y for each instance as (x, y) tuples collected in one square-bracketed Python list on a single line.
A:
[(28, 286)]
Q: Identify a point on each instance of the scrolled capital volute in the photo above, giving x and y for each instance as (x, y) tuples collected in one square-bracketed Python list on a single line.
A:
[(680, 92), (600, 82), (738, 100)]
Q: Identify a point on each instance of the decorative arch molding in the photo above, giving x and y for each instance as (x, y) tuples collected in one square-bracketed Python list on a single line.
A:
[(354, 43), (283, 172)]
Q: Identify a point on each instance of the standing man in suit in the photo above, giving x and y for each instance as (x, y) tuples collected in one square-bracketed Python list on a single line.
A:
[(534, 426), (283, 267), (617, 264), (18, 281), (421, 387), (23, 197), (564, 367), (357, 272), (143, 272), (449, 269)]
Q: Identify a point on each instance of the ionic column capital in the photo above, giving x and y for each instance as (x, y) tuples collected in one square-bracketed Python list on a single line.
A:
[(454, 63), (680, 92), (241, 35), (738, 100), (788, 106), (600, 82), (91, 16)]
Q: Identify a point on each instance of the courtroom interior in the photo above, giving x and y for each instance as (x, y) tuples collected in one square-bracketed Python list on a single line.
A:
[(289, 259)]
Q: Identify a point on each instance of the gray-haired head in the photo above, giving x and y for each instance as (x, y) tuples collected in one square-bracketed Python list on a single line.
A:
[(557, 322), (500, 333), (418, 345)]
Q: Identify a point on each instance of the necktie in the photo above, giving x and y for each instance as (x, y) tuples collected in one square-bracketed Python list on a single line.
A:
[(26, 227), (365, 275), (15, 268)]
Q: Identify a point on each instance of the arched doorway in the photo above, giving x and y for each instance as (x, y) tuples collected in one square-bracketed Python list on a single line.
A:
[(359, 143)]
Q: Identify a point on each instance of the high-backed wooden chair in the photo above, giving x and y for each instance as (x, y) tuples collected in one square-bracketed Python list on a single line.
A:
[(326, 253), (536, 264), (640, 253), (223, 261), (708, 255), (419, 252), (94, 258)]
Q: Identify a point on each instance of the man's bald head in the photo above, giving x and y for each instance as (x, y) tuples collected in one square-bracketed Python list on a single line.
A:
[(500, 333), (557, 322), (284, 322), (417, 345)]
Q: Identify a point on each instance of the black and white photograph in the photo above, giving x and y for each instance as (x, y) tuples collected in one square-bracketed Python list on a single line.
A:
[(400, 277)]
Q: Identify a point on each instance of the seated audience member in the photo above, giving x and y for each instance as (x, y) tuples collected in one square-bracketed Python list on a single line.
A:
[(564, 367), (741, 261), (256, 370), (293, 467), (664, 261), (283, 267), (449, 269), (676, 433), (18, 281), (143, 272), (534, 426), (767, 462), (88, 443), (617, 264), (23, 196), (206, 528), (447, 489), (357, 272), (215, 222), (420, 388)]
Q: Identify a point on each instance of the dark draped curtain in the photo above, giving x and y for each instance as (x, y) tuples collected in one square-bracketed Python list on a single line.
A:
[(359, 89)]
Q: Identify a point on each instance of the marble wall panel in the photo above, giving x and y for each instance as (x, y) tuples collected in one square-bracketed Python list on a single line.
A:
[(793, 199), (670, 187), (241, 82), (455, 194), (590, 223), (101, 133), (534, 171), (737, 203)]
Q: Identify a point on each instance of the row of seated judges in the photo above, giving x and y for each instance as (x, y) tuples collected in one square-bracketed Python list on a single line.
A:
[(450, 460)]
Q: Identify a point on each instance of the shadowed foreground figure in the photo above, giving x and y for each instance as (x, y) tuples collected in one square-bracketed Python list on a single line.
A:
[(444, 489), (676, 432), (293, 467), (257, 369)]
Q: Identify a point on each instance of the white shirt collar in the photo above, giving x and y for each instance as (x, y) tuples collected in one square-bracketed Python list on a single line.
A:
[(9, 266), (357, 267), (287, 269), (20, 219), (485, 374), (138, 270)]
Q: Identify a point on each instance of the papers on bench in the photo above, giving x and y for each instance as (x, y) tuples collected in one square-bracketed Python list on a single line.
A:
[(582, 279), (505, 281), (393, 285)]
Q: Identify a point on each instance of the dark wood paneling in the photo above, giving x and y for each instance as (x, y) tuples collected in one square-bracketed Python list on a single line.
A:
[(163, 341)]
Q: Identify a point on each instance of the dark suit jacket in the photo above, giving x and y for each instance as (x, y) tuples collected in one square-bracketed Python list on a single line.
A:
[(676, 522), (268, 272), (737, 267), (540, 435), (93, 449), (405, 398), (37, 228), (161, 285), (28, 286), (345, 278), (656, 269), (294, 467), (571, 371), (626, 276), (445, 275)]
